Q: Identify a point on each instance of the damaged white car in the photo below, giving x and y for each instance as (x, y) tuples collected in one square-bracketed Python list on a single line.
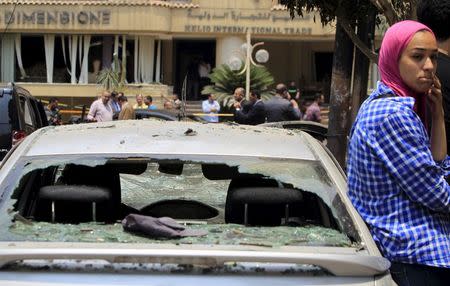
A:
[(176, 203)]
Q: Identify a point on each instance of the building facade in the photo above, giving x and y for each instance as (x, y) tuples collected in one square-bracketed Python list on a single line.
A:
[(58, 47)]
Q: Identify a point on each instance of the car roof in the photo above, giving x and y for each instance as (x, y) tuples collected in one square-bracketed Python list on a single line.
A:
[(169, 137)]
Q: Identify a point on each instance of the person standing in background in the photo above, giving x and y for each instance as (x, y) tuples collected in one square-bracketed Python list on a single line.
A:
[(294, 91), (127, 111), (313, 111), (100, 109), (52, 112), (279, 108), (211, 107), (149, 102), (255, 113), (239, 100), (140, 102), (115, 105)]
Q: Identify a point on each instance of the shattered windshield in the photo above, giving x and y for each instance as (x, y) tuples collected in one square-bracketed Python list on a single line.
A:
[(178, 199)]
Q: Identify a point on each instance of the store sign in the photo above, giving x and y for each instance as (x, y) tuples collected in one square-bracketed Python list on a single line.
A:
[(237, 16), (243, 22), (243, 30), (40, 17)]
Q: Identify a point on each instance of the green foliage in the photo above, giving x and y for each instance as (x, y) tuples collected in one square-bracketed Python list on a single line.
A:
[(226, 81), (351, 10), (110, 78)]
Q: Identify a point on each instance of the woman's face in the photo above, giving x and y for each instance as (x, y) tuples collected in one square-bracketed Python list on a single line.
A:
[(417, 63)]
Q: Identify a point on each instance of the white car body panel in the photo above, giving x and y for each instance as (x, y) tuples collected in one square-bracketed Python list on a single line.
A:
[(144, 138)]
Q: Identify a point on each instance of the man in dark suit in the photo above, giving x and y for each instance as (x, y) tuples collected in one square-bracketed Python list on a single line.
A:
[(115, 104), (255, 112), (280, 109), (239, 100)]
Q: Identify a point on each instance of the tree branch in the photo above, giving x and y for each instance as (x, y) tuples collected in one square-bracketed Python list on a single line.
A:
[(412, 10), (357, 41), (387, 9)]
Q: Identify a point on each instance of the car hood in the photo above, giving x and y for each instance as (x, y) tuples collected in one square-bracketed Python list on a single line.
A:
[(338, 261)]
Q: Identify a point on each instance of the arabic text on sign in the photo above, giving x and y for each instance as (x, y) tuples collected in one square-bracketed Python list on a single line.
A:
[(237, 16)]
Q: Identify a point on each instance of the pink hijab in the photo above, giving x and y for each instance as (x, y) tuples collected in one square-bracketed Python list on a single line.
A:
[(395, 40)]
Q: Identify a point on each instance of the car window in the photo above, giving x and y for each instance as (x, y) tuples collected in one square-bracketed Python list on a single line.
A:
[(294, 210), (27, 112), (6, 112), (37, 112), (4, 103)]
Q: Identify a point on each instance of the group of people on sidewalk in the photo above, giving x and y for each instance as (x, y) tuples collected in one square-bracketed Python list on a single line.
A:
[(114, 105), (254, 111), (397, 162), (109, 106)]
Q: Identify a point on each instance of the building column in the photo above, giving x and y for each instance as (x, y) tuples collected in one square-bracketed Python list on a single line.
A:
[(158, 62), (225, 47)]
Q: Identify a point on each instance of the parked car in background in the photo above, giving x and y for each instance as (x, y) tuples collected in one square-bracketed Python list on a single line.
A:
[(251, 206), (20, 115), (165, 115), (316, 130), (162, 115)]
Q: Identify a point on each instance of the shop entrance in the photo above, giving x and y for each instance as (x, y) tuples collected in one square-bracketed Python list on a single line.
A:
[(194, 60)]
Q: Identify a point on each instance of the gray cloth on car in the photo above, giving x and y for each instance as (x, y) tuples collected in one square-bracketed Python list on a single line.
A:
[(163, 227)]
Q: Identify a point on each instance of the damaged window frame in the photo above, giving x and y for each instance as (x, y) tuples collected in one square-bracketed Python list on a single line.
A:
[(249, 165)]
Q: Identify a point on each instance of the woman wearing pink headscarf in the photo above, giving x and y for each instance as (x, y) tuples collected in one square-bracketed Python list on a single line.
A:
[(396, 173)]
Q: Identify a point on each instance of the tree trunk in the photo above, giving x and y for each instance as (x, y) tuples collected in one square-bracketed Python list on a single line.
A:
[(366, 30), (340, 115), (107, 51)]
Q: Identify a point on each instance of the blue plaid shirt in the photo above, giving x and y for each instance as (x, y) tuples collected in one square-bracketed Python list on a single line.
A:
[(395, 184)]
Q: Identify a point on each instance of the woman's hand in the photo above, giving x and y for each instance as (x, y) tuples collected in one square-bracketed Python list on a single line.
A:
[(438, 136), (435, 99)]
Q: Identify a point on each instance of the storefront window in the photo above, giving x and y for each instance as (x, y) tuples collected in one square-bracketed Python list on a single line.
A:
[(80, 58), (58, 59), (33, 59)]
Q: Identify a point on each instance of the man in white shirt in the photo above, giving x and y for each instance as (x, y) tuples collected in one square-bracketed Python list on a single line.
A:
[(101, 109), (211, 107)]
